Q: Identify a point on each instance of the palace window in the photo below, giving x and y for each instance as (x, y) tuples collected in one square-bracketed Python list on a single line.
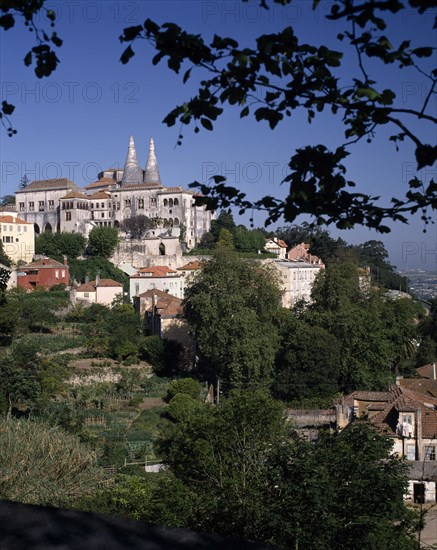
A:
[(31, 206), (176, 202), (68, 216), (141, 204), (21, 206), (153, 201), (429, 452), (51, 205), (127, 203), (41, 206)]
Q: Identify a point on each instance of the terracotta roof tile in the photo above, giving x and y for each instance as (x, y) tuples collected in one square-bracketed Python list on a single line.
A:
[(75, 195), (100, 195), (191, 266), (11, 219), (156, 271), (46, 262), (91, 285), (100, 183), (59, 183)]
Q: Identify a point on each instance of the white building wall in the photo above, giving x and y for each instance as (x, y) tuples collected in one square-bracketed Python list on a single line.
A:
[(173, 284)]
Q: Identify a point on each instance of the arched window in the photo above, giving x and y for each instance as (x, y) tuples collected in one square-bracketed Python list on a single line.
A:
[(170, 222), (48, 228), (162, 249), (170, 203), (36, 227), (176, 222), (165, 202), (176, 202)]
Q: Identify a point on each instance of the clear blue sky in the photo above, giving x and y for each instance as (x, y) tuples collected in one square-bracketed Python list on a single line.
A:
[(79, 120)]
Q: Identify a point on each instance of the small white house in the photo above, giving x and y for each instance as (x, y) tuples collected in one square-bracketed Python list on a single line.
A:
[(100, 291), (158, 277)]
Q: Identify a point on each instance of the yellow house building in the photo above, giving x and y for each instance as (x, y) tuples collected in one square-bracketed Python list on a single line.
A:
[(18, 237)]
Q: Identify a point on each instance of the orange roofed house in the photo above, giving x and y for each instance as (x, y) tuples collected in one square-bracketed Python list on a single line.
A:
[(17, 236), (407, 414), (158, 277), (99, 291), (163, 315), (43, 273), (277, 246)]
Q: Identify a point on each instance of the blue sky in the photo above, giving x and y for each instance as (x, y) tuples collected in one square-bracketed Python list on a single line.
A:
[(80, 118)]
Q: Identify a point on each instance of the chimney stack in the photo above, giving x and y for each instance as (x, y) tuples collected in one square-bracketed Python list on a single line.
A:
[(433, 372), (65, 260)]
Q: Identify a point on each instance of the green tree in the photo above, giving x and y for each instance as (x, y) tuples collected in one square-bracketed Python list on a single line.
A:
[(225, 240), (4, 259), (7, 200), (254, 479), (24, 182), (103, 241), (225, 220), (57, 245), (230, 307), (91, 267), (349, 479), (189, 386), (291, 76), (137, 226), (44, 465), (308, 361), (249, 241)]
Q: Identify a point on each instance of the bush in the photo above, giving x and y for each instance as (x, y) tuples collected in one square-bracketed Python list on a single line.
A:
[(40, 464), (187, 386), (181, 406)]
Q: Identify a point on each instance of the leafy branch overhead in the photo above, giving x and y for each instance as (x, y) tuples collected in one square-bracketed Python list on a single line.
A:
[(282, 75), (41, 56)]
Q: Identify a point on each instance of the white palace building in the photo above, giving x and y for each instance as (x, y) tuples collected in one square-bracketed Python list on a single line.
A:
[(60, 205)]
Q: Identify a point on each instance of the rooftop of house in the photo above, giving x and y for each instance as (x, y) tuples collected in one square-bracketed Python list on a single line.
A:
[(155, 271), (13, 219), (397, 400), (166, 304), (100, 195), (8, 208), (91, 286), (102, 182), (42, 185), (278, 242), (191, 266), (43, 263), (75, 195)]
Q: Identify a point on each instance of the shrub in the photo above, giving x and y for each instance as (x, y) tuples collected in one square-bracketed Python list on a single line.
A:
[(187, 386)]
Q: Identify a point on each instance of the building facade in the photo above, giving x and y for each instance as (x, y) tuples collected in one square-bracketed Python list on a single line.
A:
[(156, 277), (60, 205), (43, 273), (17, 236)]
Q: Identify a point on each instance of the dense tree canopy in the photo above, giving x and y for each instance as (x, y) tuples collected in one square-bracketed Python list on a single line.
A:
[(230, 308), (102, 241), (57, 245)]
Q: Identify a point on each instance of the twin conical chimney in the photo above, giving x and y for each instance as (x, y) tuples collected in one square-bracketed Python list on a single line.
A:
[(132, 173), (151, 173)]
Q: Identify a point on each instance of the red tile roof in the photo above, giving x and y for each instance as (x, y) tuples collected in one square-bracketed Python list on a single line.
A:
[(156, 271), (75, 195), (46, 262), (100, 195), (191, 266), (91, 286), (400, 399), (167, 305), (59, 183), (100, 183), (11, 219)]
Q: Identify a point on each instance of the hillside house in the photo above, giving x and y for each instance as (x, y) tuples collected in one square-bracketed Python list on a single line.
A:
[(17, 236), (156, 277), (43, 273), (99, 291), (276, 246), (163, 315), (409, 419)]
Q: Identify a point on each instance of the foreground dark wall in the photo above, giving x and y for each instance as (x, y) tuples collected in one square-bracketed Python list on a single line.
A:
[(25, 527)]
